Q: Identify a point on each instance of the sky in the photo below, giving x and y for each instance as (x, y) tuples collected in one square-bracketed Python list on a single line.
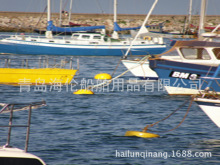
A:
[(163, 7)]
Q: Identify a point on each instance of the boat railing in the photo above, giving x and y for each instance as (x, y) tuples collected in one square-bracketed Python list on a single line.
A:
[(11, 108), (43, 37), (65, 63)]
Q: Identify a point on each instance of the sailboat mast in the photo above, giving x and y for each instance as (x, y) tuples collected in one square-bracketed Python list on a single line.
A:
[(70, 11), (115, 10), (61, 3), (115, 33), (49, 22), (202, 18), (48, 10), (190, 12), (187, 22), (143, 28)]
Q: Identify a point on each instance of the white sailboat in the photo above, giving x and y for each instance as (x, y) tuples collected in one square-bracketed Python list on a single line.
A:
[(209, 101), (211, 107), (86, 44)]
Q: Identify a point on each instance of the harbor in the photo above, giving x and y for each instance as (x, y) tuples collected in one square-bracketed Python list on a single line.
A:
[(88, 129), (108, 93), (11, 21)]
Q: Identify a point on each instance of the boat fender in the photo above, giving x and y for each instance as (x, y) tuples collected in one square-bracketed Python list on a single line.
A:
[(147, 38)]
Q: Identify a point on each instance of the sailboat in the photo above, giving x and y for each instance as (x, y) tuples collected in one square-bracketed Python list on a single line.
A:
[(209, 101), (66, 30), (158, 29), (86, 44), (211, 107)]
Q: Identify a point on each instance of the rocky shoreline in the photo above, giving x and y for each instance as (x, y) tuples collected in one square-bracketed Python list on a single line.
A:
[(27, 22)]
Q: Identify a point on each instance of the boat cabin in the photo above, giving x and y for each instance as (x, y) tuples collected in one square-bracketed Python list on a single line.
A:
[(15, 156), (87, 36), (200, 52)]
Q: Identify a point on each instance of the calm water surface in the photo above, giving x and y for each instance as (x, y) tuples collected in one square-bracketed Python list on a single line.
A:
[(77, 129)]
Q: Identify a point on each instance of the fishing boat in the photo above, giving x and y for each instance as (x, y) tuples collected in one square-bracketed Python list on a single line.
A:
[(14, 156), (87, 44), (197, 62), (36, 72), (189, 65)]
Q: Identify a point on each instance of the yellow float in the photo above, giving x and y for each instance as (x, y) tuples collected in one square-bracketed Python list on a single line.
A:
[(103, 76), (141, 134), (83, 92)]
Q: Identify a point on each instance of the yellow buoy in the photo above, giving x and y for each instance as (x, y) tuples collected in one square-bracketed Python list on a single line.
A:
[(103, 76), (83, 92), (141, 134)]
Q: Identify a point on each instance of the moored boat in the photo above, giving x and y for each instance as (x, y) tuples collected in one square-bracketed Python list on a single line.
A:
[(24, 73), (141, 68), (196, 63), (87, 44), (211, 107), (14, 156)]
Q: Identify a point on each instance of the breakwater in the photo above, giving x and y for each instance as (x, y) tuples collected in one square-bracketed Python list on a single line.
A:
[(27, 22)]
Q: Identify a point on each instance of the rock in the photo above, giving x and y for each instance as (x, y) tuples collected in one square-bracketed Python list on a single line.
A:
[(26, 21)]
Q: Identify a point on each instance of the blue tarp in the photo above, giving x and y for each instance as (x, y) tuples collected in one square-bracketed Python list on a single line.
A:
[(118, 28), (51, 27)]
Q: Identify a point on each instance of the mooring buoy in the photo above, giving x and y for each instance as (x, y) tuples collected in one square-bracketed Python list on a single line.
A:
[(103, 76), (83, 92), (141, 134)]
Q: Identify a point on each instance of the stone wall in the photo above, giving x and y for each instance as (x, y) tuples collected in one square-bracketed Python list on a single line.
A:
[(26, 22)]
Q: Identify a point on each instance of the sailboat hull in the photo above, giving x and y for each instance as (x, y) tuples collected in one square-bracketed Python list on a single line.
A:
[(211, 107), (49, 48), (140, 69)]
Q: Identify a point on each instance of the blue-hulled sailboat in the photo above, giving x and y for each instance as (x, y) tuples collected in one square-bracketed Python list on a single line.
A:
[(86, 44)]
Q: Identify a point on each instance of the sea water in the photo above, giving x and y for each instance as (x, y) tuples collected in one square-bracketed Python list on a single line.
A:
[(89, 129)]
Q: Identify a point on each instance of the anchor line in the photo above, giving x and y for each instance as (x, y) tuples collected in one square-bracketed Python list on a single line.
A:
[(151, 125), (116, 68)]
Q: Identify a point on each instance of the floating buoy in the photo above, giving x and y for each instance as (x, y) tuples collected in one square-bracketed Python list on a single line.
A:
[(103, 76), (141, 134), (83, 92)]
